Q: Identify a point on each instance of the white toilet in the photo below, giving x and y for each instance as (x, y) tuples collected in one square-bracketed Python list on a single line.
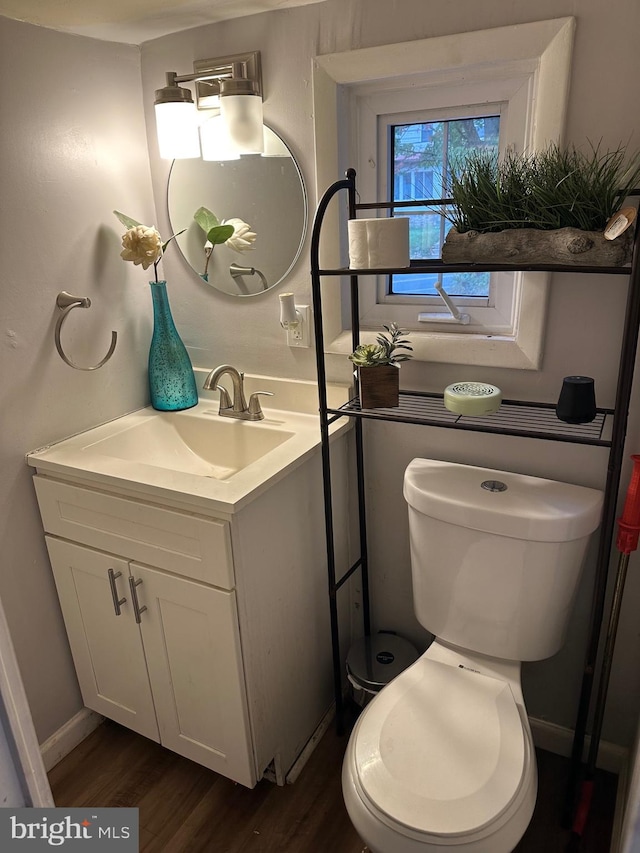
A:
[(442, 759)]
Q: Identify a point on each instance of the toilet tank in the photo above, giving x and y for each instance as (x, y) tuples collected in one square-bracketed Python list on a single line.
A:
[(496, 557)]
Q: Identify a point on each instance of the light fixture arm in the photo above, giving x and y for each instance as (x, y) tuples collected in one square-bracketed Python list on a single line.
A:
[(240, 74), (230, 84), (173, 78), (213, 75)]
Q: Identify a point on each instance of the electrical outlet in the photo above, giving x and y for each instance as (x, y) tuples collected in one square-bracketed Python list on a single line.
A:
[(301, 337)]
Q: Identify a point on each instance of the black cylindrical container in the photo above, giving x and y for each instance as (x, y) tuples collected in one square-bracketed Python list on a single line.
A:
[(577, 400)]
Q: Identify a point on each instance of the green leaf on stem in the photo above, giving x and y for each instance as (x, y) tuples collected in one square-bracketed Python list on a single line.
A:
[(206, 219), (219, 234), (127, 221), (173, 237)]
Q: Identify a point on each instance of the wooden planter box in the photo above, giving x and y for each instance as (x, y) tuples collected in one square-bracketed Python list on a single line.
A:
[(568, 246), (379, 386)]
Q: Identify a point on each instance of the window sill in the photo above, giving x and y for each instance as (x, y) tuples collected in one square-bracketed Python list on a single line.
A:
[(451, 348)]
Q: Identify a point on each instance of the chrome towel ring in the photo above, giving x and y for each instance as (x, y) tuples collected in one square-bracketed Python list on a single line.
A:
[(236, 272), (65, 302)]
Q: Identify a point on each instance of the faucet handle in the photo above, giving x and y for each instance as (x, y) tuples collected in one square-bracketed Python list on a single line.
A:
[(225, 400), (254, 408)]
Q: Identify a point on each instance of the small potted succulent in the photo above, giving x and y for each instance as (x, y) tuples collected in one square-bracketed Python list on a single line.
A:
[(379, 367)]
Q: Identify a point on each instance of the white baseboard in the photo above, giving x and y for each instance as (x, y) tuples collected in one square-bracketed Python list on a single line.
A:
[(559, 739), (73, 732)]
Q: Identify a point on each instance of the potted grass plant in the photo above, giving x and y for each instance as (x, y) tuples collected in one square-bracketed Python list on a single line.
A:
[(551, 206), (378, 367)]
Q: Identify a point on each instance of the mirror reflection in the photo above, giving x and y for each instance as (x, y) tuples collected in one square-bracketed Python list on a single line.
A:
[(265, 191)]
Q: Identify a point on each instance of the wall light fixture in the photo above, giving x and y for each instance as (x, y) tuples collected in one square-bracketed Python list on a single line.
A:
[(230, 84)]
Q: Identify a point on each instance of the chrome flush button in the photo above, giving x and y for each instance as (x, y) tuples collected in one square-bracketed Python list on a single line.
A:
[(494, 486)]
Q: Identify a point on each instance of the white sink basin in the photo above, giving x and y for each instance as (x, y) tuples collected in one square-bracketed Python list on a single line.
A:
[(191, 442), (197, 457)]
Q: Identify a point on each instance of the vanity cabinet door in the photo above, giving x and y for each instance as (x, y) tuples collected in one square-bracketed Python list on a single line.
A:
[(192, 646), (107, 649)]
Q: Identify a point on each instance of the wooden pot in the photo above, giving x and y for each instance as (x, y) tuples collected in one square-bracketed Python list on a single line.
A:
[(379, 386), (568, 246)]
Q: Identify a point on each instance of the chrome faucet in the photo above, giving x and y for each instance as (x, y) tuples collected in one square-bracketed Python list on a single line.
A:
[(239, 407)]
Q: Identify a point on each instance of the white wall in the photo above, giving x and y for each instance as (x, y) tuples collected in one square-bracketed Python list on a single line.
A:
[(585, 312), (72, 148)]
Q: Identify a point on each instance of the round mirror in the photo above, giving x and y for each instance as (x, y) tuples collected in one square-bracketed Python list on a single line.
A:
[(265, 191)]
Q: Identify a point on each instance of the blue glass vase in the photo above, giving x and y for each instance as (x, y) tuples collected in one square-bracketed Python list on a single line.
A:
[(171, 381)]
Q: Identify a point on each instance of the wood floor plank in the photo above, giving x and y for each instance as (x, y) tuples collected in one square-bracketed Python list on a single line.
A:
[(222, 820), (545, 830), (97, 771), (310, 815), (144, 839), (185, 808), (176, 792)]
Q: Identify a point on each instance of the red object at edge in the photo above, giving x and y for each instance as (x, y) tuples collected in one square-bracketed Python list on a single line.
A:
[(629, 523)]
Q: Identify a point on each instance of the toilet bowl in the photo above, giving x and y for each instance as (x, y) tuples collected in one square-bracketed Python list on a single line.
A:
[(442, 759)]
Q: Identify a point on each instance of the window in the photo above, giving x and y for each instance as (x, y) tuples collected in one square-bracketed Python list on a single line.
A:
[(413, 132), (519, 74), (420, 158)]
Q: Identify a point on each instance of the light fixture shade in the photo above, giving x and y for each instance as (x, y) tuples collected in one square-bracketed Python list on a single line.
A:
[(177, 129), (243, 117), (215, 141)]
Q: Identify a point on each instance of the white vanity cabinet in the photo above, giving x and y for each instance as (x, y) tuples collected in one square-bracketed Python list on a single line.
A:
[(107, 651), (176, 675), (203, 630)]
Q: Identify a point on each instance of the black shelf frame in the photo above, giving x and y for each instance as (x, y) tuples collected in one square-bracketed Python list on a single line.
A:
[(514, 417), (439, 266), (610, 425)]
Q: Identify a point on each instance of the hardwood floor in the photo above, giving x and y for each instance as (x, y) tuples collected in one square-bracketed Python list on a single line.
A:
[(184, 807)]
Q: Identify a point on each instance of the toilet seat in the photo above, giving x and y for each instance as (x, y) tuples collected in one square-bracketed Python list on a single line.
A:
[(441, 752)]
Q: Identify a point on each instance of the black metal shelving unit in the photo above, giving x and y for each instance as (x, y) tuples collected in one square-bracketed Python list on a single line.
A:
[(515, 417)]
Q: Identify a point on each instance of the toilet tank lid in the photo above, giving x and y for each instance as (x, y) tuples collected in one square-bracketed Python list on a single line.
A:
[(528, 508)]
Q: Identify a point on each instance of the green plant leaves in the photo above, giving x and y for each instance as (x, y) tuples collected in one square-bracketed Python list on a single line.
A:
[(553, 188), (210, 224), (127, 221), (368, 355), (219, 234), (206, 219), (385, 351)]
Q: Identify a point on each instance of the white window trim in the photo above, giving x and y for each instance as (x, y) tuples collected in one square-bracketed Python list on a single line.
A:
[(541, 51)]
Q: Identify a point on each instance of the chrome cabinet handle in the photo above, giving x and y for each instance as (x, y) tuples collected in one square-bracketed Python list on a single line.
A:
[(133, 583), (117, 602)]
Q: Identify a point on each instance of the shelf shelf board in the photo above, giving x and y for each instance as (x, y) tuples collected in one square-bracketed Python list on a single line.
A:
[(422, 267), (514, 417)]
